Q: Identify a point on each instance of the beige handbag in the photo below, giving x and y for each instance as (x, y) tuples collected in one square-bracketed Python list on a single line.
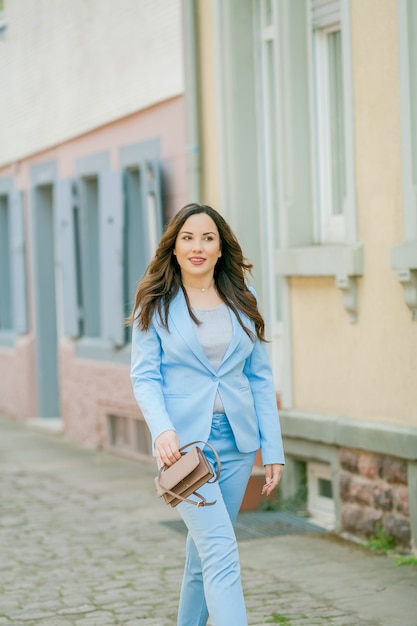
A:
[(185, 476)]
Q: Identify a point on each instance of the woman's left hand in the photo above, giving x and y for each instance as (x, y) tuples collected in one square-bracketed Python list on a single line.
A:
[(273, 475)]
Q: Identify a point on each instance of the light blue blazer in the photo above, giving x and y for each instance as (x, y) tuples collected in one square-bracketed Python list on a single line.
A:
[(175, 385)]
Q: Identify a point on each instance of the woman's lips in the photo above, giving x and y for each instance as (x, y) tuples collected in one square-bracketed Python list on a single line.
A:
[(196, 260)]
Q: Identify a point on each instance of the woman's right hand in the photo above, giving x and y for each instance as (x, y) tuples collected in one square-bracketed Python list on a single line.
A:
[(167, 448)]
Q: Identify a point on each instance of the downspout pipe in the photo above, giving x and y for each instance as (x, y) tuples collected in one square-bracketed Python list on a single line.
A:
[(192, 111)]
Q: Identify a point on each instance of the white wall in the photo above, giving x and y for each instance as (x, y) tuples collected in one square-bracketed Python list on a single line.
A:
[(67, 67)]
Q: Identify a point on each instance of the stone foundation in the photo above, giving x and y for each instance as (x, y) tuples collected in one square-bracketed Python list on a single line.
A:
[(374, 495)]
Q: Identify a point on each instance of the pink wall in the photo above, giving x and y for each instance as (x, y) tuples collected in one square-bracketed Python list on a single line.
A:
[(17, 381), (87, 387), (90, 390), (166, 121)]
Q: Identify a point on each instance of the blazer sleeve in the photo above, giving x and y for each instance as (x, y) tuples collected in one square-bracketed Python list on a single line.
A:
[(145, 374), (259, 373)]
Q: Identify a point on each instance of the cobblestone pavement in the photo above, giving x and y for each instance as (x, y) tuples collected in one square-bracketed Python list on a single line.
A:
[(81, 545)]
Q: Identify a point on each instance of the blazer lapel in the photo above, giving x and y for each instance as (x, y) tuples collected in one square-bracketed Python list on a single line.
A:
[(180, 318), (236, 337)]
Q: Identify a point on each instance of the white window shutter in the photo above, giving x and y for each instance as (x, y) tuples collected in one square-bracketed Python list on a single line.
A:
[(18, 263), (111, 257), (67, 256)]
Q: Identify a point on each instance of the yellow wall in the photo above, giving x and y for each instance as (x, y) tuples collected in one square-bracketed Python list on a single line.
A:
[(208, 143), (366, 370)]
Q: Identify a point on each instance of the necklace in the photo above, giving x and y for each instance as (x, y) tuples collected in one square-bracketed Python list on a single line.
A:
[(202, 289)]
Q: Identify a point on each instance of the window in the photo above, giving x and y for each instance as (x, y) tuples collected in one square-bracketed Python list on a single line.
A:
[(305, 117), (109, 224), (330, 148), (119, 431), (142, 214), (320, 504), (91, 230), (128, 436), (5, 266)]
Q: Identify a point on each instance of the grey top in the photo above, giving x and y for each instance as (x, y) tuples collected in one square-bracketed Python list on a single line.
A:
[(214, 334)]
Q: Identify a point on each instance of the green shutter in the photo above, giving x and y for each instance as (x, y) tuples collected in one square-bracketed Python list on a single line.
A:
[(296, 214)]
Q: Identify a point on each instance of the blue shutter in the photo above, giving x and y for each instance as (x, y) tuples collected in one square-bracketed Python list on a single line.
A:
[(151, 203), (18, 263), (111, 257), (67, 256)]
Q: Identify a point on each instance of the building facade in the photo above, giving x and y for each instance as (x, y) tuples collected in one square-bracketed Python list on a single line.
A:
[(92, 163), (308, 118), (297, 119)]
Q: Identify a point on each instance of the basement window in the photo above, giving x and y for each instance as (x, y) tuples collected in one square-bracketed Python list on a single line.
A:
[(129, 436), (320, 504), (119, 434)]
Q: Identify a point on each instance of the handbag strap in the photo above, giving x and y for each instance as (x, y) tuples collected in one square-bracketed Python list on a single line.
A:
[(203, 501), (216, 456)]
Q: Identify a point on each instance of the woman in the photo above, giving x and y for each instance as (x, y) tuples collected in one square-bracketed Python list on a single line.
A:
[(200, 371)]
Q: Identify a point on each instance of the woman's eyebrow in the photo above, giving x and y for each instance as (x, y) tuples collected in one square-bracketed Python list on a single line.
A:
[(188, 232)]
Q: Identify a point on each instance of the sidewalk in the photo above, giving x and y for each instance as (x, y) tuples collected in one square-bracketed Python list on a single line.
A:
[(82, 544)]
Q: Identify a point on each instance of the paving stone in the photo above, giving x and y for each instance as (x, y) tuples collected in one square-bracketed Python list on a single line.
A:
[(57, 622), (81, 546)]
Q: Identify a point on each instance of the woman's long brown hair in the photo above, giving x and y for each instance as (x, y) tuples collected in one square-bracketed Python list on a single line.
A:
[(162, 279)]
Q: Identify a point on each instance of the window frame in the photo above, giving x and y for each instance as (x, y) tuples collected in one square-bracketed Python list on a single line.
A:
[(330, 227), (298, 249)]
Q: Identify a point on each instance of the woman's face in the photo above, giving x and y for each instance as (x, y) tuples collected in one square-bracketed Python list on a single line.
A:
[(197, 249)]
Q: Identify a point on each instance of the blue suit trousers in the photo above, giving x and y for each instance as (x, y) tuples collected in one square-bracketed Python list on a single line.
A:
[(212, 583)]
